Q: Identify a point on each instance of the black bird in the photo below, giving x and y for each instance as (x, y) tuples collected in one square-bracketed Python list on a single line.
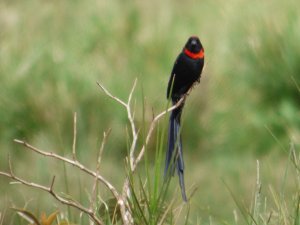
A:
[(186, 71)]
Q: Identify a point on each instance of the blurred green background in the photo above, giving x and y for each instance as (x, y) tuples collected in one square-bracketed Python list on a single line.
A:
[(247, 106)]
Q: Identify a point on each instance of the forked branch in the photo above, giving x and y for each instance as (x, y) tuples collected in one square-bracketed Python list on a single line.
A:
[(134, 160), (50, 190)]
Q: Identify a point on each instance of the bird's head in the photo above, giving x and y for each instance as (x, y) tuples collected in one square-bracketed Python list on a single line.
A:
[(193, 48)]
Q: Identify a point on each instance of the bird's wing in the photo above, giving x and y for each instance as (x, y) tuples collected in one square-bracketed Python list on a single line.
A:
[(171, 80)]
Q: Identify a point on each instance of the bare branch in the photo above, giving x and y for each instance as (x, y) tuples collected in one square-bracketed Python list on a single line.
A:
[(129, 115), (74, 137), (151, 129), (153, 124), (52, 183), (133, 129), (111, 96), (104, 140), (125, 190), (131, 92), (133, 162), (10, 166), (94, 190), (132, 149), (59, 198), (73, 163)]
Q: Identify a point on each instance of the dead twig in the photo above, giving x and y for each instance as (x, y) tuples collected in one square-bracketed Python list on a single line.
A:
[(73, 163), (50, 190), (94, 190), (74, 136), (133, 162)]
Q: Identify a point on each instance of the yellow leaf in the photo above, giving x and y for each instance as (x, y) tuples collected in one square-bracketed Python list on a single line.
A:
[(43, 217), (49, 220)]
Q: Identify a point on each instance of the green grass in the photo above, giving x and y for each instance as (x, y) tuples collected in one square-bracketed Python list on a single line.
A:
[(246, 107)]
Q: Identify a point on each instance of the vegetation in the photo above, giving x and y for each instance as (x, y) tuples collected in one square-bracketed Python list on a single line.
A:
[(246, 107)]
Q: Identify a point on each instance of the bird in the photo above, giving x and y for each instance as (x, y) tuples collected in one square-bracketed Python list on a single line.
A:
[(186, 72)]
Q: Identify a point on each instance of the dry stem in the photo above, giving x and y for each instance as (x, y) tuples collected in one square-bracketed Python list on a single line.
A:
[(94, 190), (133, 162), (71, 162), (74, 136), (51, 191)]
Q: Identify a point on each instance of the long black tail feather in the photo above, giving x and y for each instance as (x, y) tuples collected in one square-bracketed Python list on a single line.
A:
[(174, 154)]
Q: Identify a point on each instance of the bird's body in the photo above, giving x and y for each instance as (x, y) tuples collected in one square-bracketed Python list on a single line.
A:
[(186, 71)]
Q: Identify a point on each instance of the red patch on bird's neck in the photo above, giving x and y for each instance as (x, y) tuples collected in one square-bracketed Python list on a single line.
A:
[(199, 55)]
